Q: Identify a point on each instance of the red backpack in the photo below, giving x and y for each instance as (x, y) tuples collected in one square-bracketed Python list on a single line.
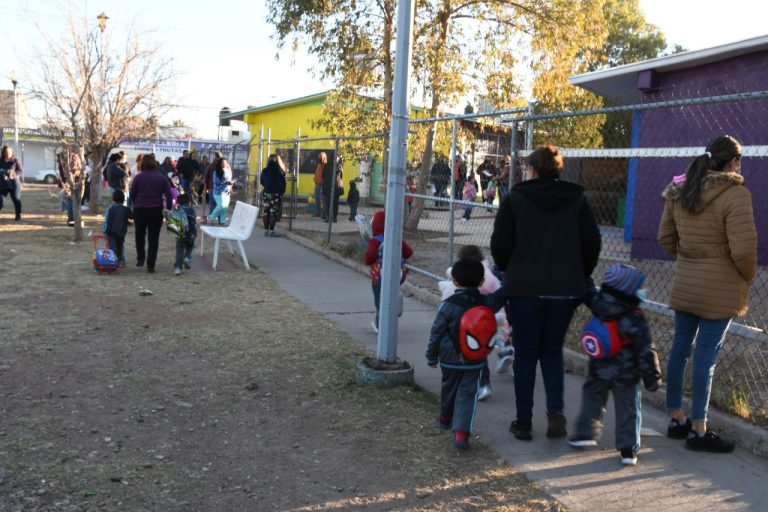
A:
[(477, 328)]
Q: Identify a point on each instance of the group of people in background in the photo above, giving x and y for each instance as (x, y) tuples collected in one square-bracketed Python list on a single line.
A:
[(707, 224)]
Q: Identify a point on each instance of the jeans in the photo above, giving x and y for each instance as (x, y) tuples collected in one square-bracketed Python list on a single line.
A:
[(222, 208), (709, 336), (117, 244), (626, 400), (318, 200), (184, 249), (148, 222), (14, 198), (211, 202), (186, 185), (540, 325)]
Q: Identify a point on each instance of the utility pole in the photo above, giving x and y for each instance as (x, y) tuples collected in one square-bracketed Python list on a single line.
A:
[(395, 204)]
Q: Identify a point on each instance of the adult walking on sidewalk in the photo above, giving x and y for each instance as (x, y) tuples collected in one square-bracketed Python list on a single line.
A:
[(150, 191), (273, 181), (709, 226), (546, 239)]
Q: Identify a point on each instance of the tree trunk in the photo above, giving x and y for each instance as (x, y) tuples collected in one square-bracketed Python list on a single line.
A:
[(77, 196), (97, 164), (412, 219)]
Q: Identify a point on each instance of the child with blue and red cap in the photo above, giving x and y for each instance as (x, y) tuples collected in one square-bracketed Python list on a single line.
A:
[(618, 300)]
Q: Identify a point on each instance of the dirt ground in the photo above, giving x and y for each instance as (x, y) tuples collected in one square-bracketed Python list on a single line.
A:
[(219, 392)]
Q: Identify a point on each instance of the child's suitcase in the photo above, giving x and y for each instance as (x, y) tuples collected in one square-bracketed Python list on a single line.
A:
[(104, 259)]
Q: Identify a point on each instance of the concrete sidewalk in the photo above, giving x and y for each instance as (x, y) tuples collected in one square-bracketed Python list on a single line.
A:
[(668, 477)]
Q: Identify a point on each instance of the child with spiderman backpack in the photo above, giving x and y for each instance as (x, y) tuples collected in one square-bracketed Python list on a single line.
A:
[(618, 340), (373, 257), (461, 338)]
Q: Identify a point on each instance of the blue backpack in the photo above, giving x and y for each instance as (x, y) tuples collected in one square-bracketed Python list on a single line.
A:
[(601, 339)]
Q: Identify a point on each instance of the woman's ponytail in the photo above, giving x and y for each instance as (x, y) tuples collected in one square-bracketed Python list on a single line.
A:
[(718, 153)]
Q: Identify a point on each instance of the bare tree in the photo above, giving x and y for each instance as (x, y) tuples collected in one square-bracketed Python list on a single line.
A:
[(95, 93)]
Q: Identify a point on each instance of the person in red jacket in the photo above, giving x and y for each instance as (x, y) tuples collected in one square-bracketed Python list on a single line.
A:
[(373, 257)]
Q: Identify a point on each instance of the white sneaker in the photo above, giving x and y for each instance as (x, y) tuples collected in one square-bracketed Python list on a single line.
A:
[(484, 392), (177, 271), (503, 364), (187, 262), (628, 457), (373, 326), (581, 442)]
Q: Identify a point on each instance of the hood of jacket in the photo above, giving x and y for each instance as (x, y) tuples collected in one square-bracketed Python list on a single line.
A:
[(549, 193), (713, 184), (377, 224), (612, 303)]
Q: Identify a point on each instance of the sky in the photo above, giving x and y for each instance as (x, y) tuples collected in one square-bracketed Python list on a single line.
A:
[(224, 56)]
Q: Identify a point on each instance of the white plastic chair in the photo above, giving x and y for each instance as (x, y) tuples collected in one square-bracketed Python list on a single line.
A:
[(240, 228)]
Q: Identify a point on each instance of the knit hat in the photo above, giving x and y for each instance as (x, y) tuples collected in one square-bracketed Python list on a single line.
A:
[(624, 278)]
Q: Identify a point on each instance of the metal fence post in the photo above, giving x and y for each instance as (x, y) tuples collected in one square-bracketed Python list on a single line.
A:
[(451, 205), (332, 198), (296, 167), (513, 157), (529, 126)]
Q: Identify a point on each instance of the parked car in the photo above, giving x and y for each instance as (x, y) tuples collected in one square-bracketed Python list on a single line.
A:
[(49, 176)]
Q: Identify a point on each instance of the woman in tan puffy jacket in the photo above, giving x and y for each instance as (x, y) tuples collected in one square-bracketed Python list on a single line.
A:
[(709, 226)]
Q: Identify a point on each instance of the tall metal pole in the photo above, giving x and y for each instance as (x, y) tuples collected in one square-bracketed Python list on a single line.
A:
[(454, 184), (513, 157), (329, 206), (395, 204), (15, 82)]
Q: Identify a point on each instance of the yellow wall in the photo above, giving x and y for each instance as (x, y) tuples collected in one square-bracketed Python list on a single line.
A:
[(284, 121)]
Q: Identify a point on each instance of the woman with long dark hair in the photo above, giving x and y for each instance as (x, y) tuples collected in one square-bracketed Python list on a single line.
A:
[(709, 226), (150, 190), (546, 239), (273, 183), (10, 179)]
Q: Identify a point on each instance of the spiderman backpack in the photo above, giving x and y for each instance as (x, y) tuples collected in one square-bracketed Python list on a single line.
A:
[(600, 339), (477, 328)]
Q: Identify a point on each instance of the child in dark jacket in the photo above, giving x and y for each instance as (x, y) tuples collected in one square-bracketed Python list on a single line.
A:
[(186, 244), (353, 199), (116, 225), (618, 299), (372, 258), (460, 376)]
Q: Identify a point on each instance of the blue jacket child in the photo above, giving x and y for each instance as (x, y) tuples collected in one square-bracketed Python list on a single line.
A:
[(460, 376), (116, 224)]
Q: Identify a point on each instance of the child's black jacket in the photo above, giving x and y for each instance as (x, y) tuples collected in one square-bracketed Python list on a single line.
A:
[(441, 346), (638, 359)]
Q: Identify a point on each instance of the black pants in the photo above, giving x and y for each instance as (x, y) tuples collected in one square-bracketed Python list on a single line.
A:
[(352, 211), (16, 202), (330, 207), (117, 244), (148, 222)]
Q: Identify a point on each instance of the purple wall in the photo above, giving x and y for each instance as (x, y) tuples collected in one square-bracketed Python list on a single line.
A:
[(695, 126)]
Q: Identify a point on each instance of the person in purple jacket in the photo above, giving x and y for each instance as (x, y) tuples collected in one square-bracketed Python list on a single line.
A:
[(150, 192)]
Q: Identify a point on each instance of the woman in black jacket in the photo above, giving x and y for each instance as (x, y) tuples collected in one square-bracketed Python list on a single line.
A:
[(273, 183), (546, 240)]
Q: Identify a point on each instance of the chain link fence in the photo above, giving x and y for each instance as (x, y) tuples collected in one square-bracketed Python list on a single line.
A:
[(622, 156)]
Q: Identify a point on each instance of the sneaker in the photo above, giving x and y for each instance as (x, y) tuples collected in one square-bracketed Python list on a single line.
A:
[(677, 431), (187, 263), (444, 423), (628, 457), (177, 271), (556, 427), (709, 442), (461, 439), (484, 392), (151, 270), (582, 442), (18, 217), (521, 430), (70, 223), (504, 363), (373, 326)]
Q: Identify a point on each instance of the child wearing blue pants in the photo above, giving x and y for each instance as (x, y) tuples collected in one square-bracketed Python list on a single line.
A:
[(460, 376)]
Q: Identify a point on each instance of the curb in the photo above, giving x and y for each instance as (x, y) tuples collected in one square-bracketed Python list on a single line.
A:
[(746, 435)]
